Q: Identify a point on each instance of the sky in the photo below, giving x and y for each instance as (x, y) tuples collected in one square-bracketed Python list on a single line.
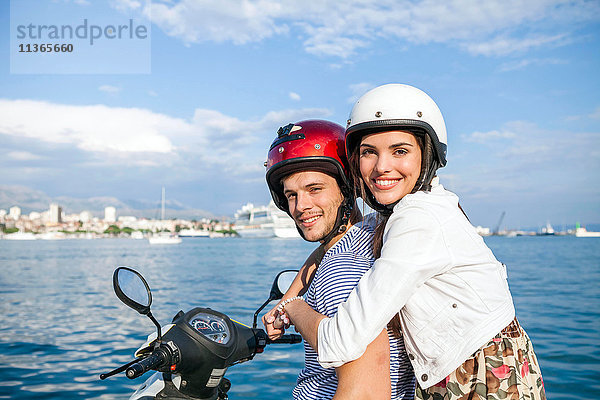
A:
[(194, 105)]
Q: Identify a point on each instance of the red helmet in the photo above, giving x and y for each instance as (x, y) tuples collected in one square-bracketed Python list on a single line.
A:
[(312, 145)]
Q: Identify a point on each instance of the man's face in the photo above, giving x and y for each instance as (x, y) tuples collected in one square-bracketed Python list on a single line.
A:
[(313, 200)]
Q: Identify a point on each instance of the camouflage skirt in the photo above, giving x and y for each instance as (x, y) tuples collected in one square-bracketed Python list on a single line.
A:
[(505, 368)]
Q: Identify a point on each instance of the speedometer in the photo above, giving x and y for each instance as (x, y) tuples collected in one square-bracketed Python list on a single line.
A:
[(212, 326)]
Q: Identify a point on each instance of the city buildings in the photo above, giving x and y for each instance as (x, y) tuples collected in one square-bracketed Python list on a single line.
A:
[(54, 222), (55, 213), (110, 214)]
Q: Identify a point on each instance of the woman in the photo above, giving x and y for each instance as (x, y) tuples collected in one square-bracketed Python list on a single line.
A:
[(434, 271)]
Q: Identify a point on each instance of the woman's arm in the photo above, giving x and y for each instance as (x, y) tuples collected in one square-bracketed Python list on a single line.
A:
[(413, 251), (300, 284), (306, 321), (367, 378)]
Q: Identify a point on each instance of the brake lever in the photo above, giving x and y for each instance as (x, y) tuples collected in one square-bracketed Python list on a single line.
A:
[(120, 369)]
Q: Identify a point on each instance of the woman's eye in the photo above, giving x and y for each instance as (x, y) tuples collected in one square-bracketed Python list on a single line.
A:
[(290, 196), (400, 152), (366, 152)]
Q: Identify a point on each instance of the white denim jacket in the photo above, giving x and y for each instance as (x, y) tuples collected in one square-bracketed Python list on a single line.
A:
[(435, 270)]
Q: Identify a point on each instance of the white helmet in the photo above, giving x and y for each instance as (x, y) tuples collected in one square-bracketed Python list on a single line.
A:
[(397, 106)]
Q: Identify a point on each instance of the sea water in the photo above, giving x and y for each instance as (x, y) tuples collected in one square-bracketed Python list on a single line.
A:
[(61, 324)]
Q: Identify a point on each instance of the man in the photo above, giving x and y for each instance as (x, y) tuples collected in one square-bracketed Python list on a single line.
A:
[(307, 174)]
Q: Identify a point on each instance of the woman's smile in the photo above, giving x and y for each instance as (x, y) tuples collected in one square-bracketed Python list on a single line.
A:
[(385, 184)]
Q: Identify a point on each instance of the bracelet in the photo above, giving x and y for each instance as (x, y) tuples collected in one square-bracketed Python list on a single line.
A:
[(287, 301)]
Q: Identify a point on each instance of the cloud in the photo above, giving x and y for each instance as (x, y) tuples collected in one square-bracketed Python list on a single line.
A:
[(525, 168), (593, 115), (239, 22), (152, 93), (340, 29), (295, 96), (142, 138), (485, 137), (520, 143), (502, 46), (109, 89), (127, 5), (22, 156), (520, 64), (358, 89), (95, 128)]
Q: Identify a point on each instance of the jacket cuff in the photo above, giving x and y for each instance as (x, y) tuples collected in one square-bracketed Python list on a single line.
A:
[(326, 357)]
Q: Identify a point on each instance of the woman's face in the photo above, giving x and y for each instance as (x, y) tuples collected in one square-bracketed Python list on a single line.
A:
[(390, 164)]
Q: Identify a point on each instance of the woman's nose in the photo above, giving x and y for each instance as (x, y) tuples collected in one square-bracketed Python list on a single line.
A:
[(383, 164)]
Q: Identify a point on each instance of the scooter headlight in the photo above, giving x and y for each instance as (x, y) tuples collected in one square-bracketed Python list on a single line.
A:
[(212, 326)]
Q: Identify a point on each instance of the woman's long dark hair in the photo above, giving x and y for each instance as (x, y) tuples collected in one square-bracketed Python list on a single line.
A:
[(429, 166)]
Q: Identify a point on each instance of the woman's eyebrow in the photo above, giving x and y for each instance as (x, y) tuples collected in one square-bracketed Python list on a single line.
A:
[(391, 146), (400, 144)]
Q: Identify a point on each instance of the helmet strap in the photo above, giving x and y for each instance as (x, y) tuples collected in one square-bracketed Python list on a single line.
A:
[(341, 222), (383, 209)]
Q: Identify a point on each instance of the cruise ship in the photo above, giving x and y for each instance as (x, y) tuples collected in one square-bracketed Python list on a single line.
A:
[(264, 222)]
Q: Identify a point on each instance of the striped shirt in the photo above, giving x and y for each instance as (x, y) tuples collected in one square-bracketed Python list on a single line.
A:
[(339, 272)]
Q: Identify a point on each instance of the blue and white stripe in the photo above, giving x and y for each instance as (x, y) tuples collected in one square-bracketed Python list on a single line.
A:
[(340, 270)]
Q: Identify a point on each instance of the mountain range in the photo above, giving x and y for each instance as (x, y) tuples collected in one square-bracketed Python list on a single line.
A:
[(29, 200)]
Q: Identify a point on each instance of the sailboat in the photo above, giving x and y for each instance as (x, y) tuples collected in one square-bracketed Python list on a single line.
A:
[(164, 237)]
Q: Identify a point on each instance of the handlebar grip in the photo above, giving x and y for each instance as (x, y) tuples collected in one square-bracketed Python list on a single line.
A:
[(288, 339), (157, 358)]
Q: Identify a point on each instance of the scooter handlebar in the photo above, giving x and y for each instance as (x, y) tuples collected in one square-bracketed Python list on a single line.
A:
[(158, 357), (287, 339)]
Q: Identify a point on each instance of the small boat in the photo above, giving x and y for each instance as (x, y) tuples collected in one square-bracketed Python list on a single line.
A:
[(164, 238), (137, 235), (193, 233), (580, 231), (20, 236), (547, 230), (53, 236)]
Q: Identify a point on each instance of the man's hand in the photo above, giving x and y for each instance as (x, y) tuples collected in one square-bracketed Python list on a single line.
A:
[(275, 324)]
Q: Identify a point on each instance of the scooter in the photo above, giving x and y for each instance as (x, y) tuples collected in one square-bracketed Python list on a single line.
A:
[(192, 354)]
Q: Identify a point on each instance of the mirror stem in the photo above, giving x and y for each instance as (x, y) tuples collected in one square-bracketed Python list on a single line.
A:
[(159, 336), (260, 309)]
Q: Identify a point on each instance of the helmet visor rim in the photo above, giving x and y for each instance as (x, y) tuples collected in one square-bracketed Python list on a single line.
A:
[(356, 132), (281, 170)]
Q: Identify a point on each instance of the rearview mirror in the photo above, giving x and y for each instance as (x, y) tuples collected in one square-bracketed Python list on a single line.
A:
[(131, 288), (282, 283)]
